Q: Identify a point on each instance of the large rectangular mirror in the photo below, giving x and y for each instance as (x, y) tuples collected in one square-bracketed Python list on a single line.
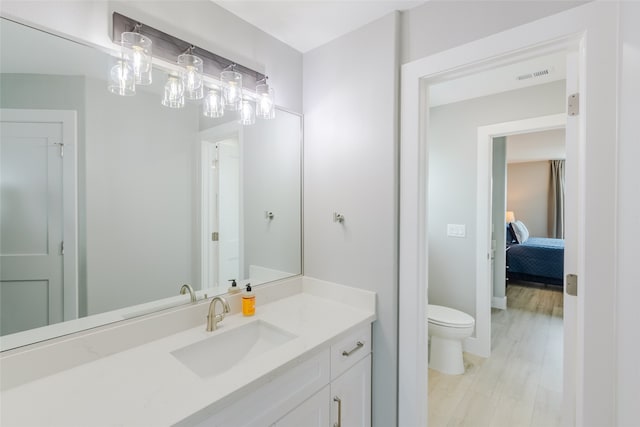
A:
[(109, 203)]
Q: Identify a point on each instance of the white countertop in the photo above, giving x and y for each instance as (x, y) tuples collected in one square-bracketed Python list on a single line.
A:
[(148, 386)]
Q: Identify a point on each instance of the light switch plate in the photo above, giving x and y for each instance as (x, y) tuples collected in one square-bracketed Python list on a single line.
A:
[(456, 230)]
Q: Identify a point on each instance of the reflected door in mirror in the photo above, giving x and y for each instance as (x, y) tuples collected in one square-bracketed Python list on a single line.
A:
[(31, 221)]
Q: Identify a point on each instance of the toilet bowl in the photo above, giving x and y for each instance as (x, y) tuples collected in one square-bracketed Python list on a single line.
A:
[(447, 328)]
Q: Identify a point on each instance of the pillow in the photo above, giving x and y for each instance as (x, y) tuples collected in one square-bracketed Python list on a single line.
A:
[(521, 231), (511, 236)]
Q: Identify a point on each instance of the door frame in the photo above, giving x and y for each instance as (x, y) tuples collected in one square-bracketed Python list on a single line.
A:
[(594, 27), (68, 120)]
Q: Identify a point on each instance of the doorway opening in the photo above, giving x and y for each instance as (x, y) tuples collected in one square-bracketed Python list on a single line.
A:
[(462, 267)]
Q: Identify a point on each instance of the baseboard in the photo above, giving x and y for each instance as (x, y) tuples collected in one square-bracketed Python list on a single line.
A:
[(472, 345), (499, 302)]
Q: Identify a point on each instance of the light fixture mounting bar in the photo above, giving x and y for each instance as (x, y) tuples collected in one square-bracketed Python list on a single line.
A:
[(168, 47)]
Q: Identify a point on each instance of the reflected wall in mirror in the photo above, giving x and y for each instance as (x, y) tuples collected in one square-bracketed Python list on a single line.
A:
[(110, 202)]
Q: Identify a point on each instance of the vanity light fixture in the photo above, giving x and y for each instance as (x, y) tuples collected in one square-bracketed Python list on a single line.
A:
[(197, 74), (213, 105), (173, 92), (232, 83), (247, 115), (121, 78), (191, 74), (136, 50), (265, 101)]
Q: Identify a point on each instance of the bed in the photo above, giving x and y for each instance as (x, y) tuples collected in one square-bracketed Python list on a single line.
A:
[(536, 259)]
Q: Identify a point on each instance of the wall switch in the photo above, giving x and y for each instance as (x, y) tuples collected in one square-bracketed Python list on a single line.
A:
[(456, 230)]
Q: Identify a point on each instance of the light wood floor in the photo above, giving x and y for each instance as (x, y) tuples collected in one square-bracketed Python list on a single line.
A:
[(521, 383)]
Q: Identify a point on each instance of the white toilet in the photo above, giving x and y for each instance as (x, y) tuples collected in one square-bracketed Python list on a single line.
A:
[(447, 329)]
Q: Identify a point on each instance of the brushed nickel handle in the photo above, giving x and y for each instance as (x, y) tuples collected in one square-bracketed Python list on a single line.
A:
[(339, 423), (358, 346)]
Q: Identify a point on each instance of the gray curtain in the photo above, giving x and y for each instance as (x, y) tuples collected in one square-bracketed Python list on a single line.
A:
[(556, 204)]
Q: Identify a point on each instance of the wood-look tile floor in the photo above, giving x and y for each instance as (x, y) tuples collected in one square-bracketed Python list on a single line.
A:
[(521, 383)]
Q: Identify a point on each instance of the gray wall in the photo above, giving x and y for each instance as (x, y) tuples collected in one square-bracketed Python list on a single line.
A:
[(275, 243), (439, 25), (528, 195), (498, 215), (350, 157), (452, 182), (139, 201)]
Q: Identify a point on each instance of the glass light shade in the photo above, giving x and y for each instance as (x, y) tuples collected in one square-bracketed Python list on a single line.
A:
[(191, 76), (265, 102), (173, 93), (247, 113), (232, 82), (510, 217), (213, 105), (136, 50), (121, 78)]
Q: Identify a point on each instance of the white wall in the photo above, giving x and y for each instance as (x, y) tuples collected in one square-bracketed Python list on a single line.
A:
[(201, 22), (528, 186), (350, 159), (534, 146), (628, 231), (452, 183)]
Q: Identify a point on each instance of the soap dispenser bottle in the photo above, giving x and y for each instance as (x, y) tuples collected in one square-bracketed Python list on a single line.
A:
[(248, 301), (234, 288)]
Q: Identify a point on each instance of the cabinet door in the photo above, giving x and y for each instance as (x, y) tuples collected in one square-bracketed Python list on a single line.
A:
[(351, 396), (314, 412)]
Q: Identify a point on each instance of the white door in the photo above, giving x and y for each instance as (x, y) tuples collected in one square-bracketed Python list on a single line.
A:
[(314, 412), (229, 211), (32, 220), (210, 216), (350, 396)]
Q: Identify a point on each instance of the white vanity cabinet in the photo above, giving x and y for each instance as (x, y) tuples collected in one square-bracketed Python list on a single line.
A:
[(346, 401), (314, 412), (307, 394)]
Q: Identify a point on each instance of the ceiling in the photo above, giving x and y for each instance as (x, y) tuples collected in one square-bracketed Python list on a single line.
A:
[(307, 24)]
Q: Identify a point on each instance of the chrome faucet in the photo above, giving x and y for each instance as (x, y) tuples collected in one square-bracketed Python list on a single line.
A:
[(212, 318), (185, 288)]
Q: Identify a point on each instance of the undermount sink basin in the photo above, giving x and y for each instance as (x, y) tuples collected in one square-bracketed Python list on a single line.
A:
[(226, 349)]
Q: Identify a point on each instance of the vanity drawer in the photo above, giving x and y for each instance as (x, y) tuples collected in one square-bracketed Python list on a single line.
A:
[(349, 350)]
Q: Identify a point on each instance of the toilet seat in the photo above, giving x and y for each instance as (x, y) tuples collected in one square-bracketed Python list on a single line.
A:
[(449, 317)]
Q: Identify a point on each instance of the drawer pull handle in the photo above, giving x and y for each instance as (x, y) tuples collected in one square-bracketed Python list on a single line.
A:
[(358, 346), (339, 423)]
